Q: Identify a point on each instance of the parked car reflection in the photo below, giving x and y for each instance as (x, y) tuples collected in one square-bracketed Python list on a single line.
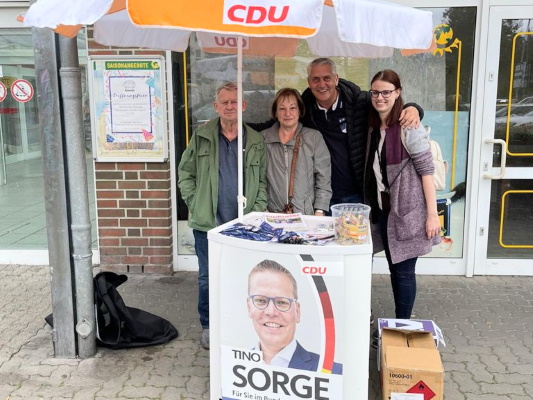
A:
[(520, 126), (517, 107), (515, 119)]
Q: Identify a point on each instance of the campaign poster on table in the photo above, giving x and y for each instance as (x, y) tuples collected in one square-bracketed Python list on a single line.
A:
[(287, 354), (128, 110)]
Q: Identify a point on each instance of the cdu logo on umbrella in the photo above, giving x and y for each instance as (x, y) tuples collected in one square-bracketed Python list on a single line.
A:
[(257, 15), (285, 13)]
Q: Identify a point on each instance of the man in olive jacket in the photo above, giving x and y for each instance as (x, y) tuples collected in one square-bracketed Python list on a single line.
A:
[(207, 179)]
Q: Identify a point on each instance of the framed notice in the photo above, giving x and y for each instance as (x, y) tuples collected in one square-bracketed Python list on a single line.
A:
[(281, 331), (128, 108)]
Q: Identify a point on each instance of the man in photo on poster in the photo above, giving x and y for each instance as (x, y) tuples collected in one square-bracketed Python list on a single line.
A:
[(274, 308)]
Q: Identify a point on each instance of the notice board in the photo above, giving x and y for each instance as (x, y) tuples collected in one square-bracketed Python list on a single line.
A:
[(128, 108)]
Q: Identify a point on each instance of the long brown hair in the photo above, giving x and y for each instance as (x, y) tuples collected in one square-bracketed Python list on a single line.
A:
[(387, 75)]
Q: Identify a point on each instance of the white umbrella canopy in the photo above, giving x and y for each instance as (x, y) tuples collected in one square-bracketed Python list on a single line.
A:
[(347, 29), (117, 30), (351, 28)]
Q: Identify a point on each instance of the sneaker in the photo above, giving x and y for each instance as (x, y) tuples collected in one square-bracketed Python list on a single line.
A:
[(204, 339)]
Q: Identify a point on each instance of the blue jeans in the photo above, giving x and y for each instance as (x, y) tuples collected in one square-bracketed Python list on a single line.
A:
[(402, 277), (201, 247), (353, 198)]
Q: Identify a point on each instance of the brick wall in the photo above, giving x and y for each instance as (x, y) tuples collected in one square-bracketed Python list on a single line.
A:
[(133, 204)]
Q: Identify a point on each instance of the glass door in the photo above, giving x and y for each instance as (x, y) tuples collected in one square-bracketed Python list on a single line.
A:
[(23, 234), (18, 115), (504, 225)]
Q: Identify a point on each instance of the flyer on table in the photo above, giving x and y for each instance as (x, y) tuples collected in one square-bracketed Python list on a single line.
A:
[(281, 330)]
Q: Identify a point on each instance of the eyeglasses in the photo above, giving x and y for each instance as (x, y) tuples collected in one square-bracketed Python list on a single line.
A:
[(385, 93), (282, 304)]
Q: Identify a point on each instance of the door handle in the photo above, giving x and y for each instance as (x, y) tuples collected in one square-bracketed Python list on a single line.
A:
[(503, 159)]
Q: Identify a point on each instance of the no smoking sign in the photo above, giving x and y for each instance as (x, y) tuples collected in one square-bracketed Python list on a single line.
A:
[(22, 90), (3, 92)]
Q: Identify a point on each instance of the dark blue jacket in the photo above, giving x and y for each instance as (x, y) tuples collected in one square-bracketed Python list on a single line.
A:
[(305, 360), (357, 103)]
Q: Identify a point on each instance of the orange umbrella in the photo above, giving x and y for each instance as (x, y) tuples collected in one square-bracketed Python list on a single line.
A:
[(262, 27), (348, 29)]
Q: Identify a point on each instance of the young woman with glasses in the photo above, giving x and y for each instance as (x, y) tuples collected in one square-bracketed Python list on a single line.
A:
[(400, 189)]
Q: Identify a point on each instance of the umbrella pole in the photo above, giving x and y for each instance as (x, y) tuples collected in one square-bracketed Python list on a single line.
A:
[(241, 200)]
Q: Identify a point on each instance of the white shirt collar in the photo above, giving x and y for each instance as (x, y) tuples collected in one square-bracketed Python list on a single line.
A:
[(333, 107), (284, 356)]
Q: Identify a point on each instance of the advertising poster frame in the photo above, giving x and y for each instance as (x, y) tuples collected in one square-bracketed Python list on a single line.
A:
[(128, 108), (320, 293), (333, 291)]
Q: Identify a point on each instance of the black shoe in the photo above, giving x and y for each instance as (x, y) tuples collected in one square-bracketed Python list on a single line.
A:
[(375, 339)]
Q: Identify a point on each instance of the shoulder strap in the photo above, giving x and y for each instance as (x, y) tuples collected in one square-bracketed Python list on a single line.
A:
[(402, 135), (293, 165)]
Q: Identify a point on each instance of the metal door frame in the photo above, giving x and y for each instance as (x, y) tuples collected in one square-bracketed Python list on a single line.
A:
[(482, 165)]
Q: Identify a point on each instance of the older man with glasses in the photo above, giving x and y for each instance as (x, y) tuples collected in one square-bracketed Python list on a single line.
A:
[(274, 309)]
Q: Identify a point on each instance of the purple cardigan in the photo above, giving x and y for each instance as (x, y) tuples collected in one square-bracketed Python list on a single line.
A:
[(406, 228)]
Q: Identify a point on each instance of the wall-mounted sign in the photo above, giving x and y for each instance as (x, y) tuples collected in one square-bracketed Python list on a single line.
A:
[(3, 92), (128, 110), (22, 90)]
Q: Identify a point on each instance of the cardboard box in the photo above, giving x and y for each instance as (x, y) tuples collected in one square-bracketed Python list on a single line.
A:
[(425, 325), (413, 325), (411, 367)]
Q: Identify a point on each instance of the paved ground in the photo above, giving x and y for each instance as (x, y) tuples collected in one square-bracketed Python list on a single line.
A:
[(487, 322)]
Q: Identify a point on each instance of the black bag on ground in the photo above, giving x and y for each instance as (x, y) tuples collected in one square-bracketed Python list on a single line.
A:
[(119, 326)]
